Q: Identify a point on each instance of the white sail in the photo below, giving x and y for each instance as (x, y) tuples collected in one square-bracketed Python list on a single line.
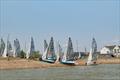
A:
[(44, 54), (51, 50), (70, 52), (16, 48), (32, 46), (27, 54), (8, 49), (59, 53), (5, 52), (2, 47), (31, 50), (93, 53), (90, 57)]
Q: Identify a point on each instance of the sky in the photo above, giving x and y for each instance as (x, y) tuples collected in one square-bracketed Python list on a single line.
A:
[(79, 19)]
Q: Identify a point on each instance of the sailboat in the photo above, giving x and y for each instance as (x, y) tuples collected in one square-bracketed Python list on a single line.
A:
[(2, 47), (59, 53), (68, 57), (31, 49), (16, 48), (49, 53), (92, 58), (8, 49), (45, 49)]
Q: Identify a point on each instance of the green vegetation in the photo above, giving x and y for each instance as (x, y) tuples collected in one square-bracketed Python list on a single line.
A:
[(35, 55), (22, 54)]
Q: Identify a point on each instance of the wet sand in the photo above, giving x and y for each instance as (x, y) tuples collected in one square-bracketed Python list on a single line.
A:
[(26, 64)]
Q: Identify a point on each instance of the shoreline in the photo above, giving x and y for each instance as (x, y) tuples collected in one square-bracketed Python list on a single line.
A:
[(32, 64)]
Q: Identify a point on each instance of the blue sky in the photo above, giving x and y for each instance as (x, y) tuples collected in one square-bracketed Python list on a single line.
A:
[(79, 19)]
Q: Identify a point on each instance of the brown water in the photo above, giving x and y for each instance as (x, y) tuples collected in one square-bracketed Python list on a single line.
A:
[(99, 72)]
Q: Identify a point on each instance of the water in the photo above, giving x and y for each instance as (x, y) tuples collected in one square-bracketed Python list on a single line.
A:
[(99, 72)]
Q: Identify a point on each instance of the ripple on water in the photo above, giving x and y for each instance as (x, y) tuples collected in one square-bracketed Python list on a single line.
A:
[(99, 72)]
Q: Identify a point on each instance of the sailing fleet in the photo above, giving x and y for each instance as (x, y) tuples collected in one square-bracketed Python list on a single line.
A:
[(49, 55)]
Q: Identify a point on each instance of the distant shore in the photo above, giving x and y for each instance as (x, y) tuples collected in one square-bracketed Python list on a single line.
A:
[(30, 64)]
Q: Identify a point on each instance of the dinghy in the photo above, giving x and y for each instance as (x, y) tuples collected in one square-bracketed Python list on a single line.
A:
[(16, 48), (8, 49), (31, 49), (49, 54), (68, 57), (92, 58), (2, 47)]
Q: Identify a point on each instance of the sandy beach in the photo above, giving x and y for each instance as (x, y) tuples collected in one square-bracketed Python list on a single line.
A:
[(26, 64)]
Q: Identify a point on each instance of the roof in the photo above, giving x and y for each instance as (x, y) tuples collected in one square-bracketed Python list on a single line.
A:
[(111, 47)]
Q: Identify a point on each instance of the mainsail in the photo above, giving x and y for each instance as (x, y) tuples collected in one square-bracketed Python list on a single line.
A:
[(45, 45), (68, 57), (51, 50), (2, 47), (32, 48), (59, 53), (45, 50), (17, 48), (93, 52), (9, 49), (69, 54), (49, 53)]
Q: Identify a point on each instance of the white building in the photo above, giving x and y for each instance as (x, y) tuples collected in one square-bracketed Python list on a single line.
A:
[(107, 50), (116, 49), (113, 50)]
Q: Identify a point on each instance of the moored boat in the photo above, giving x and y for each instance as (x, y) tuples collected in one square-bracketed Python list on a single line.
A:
[(67, 58), (49, 53), (92, 58)]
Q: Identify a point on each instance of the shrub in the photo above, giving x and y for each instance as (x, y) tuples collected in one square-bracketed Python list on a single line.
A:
[(35, 55), (22, 54)]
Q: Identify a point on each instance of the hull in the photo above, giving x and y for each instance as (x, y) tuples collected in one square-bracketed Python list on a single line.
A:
[(48, 61), (68, 62)]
